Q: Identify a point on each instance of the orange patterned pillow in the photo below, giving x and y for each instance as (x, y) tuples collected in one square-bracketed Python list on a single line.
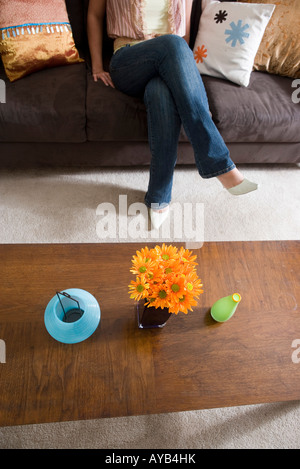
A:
[(279, 50), (35, 34)]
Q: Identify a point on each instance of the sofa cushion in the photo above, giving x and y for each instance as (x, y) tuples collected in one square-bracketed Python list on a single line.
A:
[(263, 112), (279, 50), (228, 38), (47, 106), (112, 115), (35, 38)]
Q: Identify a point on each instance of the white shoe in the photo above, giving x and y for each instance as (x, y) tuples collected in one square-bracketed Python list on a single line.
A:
[(243, 188), (157, 218)]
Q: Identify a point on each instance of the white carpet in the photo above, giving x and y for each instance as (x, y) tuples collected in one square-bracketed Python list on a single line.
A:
[(265, 426), (49, 206), (46, 206)]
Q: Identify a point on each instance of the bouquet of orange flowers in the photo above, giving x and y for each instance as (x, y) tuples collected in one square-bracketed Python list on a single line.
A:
[(166, 277)]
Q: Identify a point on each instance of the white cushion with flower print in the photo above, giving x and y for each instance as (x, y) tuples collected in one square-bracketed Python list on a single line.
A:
[(228, 38)]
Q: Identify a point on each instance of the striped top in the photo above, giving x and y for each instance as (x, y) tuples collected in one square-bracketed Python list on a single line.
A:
[(127, 19)]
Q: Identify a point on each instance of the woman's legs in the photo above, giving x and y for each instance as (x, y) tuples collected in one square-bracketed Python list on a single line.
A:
[(163, 129), (169, 58)]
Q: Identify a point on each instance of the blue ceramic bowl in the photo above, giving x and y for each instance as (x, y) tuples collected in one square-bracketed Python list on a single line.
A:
[(73, 332)]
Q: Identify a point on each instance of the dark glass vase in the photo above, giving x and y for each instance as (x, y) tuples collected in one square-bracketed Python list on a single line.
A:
[(151, 317)]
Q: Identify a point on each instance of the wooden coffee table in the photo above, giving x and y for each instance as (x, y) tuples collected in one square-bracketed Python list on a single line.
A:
[(191, 363)]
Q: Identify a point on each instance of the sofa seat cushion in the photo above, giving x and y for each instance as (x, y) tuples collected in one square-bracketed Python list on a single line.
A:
[(114, 116), (263, 112), (47, 106)]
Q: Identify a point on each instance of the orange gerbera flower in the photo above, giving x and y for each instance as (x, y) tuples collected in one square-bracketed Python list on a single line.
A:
[(141, 264), (166, 253), (138, 289), (160, 297), (187, 257), (176, 287), (184, 304), (147, 253), (193, 284)]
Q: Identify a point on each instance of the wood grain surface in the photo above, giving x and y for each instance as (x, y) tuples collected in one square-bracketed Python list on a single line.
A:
[(191, 363)]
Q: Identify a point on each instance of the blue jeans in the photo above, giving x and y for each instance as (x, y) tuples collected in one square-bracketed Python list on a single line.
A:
[(163, 72)]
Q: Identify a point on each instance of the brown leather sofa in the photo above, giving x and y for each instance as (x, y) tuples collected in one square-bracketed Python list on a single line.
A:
[(60, 116)]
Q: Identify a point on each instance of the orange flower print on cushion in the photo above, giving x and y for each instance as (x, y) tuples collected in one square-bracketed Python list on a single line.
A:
[(200, 54)]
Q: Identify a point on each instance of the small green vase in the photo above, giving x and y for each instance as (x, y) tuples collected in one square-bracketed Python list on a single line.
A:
[(224, 308)]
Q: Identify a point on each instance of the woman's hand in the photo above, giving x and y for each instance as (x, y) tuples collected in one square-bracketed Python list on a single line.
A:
[(104, 76), (95, 21)]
